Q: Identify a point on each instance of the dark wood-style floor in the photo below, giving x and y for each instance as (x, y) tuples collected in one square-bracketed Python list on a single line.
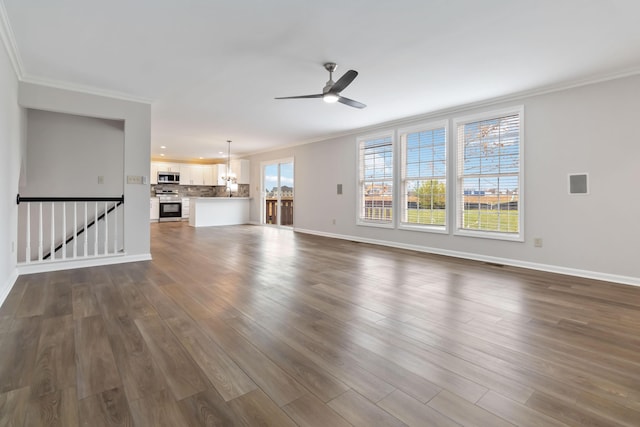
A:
[(250, 325)]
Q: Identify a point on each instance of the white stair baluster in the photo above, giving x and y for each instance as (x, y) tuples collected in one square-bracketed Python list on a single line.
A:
[(27, 258), (64, 230), (75, 229), (52, 253), (40, 248), (85, 231), (95, 224), (106, 228)]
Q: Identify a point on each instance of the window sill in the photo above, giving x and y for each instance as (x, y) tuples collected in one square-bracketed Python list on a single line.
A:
[(490, 235), (375, 224), (423, 228)]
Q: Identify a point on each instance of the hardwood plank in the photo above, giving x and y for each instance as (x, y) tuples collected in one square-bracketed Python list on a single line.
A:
[(59, 408), (182, 374), (304, 370), (311, 411), (515, 412), (18, 353), (159, 409), (11, 303), (140, 374), (275, 382), (567, 412), (96, 369), (55, 367), (108, 408), (209, 409), (83, 301), (13, 407), (137, 303), (255, 408), (225, 375), (465, 413), (34, 299), (361, 412), (412, 412)]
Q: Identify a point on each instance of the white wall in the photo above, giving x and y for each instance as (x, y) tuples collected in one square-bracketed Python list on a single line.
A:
[(67, 153), (137, 137), (590, 129), (10, 145)]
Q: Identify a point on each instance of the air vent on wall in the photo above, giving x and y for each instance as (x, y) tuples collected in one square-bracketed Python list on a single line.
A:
[(578, 183)]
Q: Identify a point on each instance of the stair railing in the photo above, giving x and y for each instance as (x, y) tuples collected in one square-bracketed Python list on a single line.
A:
[(97, 213)]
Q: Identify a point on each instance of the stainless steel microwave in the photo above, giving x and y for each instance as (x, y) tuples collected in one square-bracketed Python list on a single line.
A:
[(168, 177)]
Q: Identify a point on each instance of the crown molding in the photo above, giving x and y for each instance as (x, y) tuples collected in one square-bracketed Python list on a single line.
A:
[(6, 33), (90, 90)]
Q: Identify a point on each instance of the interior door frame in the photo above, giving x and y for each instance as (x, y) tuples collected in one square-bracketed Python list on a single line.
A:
[(263, 204)]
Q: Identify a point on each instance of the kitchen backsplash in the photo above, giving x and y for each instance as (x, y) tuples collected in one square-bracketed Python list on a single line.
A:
[(202, 190)]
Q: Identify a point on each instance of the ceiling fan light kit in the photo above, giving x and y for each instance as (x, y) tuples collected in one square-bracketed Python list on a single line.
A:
[(331, 91)]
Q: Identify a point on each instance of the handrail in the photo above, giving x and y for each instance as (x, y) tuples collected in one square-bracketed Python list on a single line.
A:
[(69, 199)]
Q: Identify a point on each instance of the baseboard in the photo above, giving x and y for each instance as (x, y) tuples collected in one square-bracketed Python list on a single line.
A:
[(8, 285), (70, 264), (596, 275)]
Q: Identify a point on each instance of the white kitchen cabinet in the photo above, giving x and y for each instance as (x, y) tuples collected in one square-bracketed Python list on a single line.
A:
[(154, 209), (222, 171), (185, 175), (153, 174), (185, 208), (168, 167), (242, 169), (210, 174)]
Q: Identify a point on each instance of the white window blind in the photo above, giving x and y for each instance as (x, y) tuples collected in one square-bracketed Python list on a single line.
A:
[(489, 174), (376, 180), (424, 176)]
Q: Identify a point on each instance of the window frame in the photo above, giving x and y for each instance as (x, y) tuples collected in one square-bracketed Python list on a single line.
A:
[(458, 175), (360, 220), (402, 132)]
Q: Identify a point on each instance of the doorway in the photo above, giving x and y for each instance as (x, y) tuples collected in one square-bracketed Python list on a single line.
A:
[(277, 192)]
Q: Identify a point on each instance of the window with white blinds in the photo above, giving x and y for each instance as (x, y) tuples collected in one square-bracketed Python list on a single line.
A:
[(376, 180), (489, 174), (424, 176)]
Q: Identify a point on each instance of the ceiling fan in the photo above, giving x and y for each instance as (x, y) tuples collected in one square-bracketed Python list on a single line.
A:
[(331, 91)]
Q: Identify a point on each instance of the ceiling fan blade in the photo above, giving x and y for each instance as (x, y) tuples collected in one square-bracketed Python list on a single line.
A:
[(350, 102), (344, 81), (301, 96)]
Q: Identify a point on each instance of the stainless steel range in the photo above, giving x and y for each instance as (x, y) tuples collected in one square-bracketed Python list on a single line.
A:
[(170, 205)]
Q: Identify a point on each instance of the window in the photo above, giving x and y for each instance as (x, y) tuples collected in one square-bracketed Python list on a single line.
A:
[(375, 184), (489, 171), (424, 177), (489, 175)]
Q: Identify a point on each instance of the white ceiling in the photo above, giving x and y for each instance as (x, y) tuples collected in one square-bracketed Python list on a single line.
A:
[(211, 68)]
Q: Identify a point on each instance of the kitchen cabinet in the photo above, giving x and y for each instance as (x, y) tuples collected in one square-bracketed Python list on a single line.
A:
[(241, 168), (167, 167), (185, 208), (185, 175), (222, 174), (210, 174), (153, 174), (154, 209)]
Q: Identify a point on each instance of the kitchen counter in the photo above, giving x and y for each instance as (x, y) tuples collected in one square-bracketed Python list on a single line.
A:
[(216, 211)]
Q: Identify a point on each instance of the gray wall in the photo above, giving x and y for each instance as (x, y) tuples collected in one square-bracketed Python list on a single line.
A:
[(67, 153), (590, 129), (11, 119), (137, 137)]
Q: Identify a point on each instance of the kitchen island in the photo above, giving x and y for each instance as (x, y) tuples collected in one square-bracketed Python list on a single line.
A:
[(215, 211)]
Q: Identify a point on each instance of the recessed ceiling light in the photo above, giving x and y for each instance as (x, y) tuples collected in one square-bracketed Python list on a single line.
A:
[(161, 154), (220, 152), (163, 147), (201, 158)]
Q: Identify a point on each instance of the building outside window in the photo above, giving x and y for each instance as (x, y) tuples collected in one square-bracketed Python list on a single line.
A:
[(375, 155)]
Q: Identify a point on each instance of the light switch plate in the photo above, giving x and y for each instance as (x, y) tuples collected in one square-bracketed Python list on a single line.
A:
[(134, 179)]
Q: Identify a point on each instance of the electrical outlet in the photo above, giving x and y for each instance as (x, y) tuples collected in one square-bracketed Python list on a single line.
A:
[(333, 221), (101, 180), (537, 242)]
